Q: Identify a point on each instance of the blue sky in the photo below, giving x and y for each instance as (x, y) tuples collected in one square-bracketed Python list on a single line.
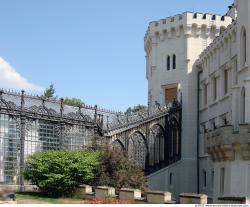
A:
[(89, 49)]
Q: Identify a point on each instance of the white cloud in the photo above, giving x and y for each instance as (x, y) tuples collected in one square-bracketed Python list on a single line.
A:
[(11, 79)]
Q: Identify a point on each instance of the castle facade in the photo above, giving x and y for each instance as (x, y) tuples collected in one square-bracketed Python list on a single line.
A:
[(203, 60)]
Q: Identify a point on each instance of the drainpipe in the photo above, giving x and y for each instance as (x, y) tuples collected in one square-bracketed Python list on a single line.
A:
[(198, 132)]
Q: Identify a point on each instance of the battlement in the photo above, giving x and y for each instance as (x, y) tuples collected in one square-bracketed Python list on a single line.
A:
[(229, 32), (182, 23)]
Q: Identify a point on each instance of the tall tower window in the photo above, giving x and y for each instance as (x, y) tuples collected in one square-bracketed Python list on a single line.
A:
[(168, 62), (174, 61), (243, 46)]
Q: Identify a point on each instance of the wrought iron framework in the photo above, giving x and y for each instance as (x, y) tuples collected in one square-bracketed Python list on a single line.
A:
[(153, 138), (31, 124)]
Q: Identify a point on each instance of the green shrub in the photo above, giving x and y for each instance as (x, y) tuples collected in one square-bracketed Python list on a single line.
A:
[(61, 172)]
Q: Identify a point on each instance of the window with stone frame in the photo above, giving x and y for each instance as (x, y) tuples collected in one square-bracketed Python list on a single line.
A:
[(226, 85), (214, 85), (174, 61), (243, 46), (168, 62), (223, 120), (212, 124), (205, 94)]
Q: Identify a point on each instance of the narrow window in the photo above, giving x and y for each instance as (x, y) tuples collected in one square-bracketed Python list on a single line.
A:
[(243, 46), (168, 62), (205, 94), (204, 178), (174, 61), (215, 88), (243, 106), (225, 82), (222, 180), (170, 178)]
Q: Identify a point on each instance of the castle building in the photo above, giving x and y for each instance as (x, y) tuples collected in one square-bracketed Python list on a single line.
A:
[(203, 60)]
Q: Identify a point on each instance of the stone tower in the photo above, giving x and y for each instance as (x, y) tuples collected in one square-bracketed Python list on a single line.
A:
[(172, 46)]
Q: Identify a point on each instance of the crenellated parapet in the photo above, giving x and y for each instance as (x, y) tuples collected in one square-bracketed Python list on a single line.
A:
[(220, 41), (187, 24)]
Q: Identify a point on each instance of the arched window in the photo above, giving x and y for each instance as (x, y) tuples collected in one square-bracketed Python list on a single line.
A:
[(174, 61), (243, 46), (168, 62)]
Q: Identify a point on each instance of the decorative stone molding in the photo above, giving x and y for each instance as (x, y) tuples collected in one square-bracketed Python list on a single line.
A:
[(223, 143)]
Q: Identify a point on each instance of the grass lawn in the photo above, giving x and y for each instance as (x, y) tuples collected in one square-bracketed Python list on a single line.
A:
[(36, 198)]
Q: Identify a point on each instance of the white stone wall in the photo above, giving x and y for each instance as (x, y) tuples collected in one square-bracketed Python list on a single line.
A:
[(186, 36), (225, 52), (160, 180)]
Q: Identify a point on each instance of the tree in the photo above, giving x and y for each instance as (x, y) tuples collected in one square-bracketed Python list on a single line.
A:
[(136, 108), (61, 172), (118, 171), (73, 102), (49, 92)]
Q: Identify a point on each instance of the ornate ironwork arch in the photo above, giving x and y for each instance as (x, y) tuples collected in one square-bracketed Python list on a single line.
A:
[(174, 136), (156, 142), (118, 144), (138, 149)]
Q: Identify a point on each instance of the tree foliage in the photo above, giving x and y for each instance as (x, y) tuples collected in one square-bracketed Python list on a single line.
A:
[(118, 171), (61, 172), (136, 108), (49, 92), (73, 102)]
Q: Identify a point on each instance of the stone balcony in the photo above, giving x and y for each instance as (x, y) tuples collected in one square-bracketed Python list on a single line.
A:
[(223, 144)]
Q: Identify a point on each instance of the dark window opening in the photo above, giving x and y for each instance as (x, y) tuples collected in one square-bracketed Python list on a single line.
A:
[(170, 178), (204, 178), (174, 61), (168, 62)]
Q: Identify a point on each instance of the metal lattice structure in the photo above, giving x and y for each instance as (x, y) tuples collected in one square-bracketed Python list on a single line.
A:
[(30, 124), (151, 138)]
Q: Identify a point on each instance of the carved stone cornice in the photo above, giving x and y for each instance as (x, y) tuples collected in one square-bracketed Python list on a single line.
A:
[(223, 143)]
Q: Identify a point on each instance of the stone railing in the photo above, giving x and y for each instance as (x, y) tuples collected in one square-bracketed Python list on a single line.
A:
[(135, 195), (125, 194)]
